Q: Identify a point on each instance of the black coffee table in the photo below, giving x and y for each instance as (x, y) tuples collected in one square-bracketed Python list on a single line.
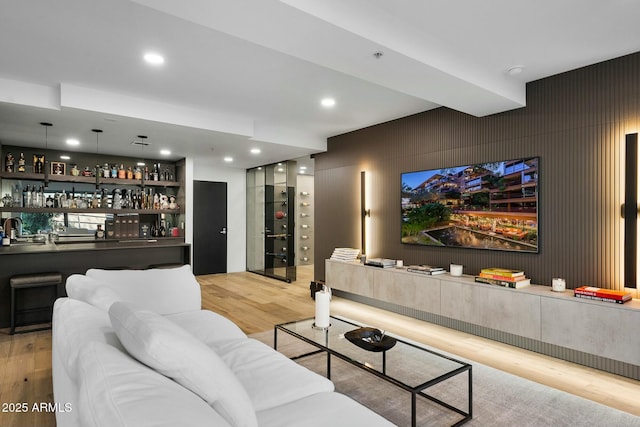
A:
[(396, 365)]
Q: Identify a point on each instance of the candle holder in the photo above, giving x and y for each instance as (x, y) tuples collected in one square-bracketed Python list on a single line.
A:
[(320, 328)]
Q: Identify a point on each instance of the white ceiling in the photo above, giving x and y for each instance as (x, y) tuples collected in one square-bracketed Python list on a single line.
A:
[(250, 73)]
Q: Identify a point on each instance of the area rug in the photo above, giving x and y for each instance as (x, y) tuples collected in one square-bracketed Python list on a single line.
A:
[(499, 398)]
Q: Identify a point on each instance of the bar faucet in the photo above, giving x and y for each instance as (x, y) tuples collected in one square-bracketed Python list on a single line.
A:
[(10, 229)]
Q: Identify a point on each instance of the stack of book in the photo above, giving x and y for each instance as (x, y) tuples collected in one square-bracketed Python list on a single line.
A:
[(599, 294), (381, 262), (345, 254), (426, 269), (503, 277)]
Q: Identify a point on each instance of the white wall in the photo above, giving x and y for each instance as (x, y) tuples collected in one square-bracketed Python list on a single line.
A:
[(200, 170)]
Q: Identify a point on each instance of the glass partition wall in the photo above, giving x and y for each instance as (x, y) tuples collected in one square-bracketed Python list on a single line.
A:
[(271, 192)]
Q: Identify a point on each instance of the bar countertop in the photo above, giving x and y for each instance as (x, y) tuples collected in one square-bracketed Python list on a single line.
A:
[(90, 245)]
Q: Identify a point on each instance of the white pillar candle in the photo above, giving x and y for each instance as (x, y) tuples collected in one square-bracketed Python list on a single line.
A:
[(322, 309), (558, 285)]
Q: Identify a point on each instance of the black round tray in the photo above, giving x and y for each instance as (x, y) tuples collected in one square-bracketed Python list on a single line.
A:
[(370, 339)]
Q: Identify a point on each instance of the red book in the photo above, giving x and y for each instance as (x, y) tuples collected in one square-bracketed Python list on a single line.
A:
[(603, 293)]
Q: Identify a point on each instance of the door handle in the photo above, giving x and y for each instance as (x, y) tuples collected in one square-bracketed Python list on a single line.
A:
[(224, 230)]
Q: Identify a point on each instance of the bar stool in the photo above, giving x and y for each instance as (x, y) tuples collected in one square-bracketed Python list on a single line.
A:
[(32, 281)]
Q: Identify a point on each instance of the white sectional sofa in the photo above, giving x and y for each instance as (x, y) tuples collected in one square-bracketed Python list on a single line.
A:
[(134, 348)]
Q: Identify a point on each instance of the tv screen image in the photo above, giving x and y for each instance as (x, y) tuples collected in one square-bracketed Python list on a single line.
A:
[(480, 206)]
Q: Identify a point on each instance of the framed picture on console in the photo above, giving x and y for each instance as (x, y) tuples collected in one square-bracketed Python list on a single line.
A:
[(480, 206)]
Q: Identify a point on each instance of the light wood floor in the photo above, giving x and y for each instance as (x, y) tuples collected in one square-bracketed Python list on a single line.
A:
[(257, 303)]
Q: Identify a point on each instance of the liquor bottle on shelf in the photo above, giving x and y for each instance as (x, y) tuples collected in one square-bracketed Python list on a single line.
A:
[(114, 171), (154, 229), (8, 163), (99, 232), (122, 173), (146, 173), (64, 202), (25, 197), (38, 163), (95, 201), (156, 172), (162, 231), (129, 173), (22, 163), (105, 199)]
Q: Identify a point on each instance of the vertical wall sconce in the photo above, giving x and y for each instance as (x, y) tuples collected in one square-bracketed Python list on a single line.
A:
[(630, 210), (364, 211)]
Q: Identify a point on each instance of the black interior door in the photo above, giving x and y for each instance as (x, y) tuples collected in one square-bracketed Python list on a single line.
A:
[(209, 227)]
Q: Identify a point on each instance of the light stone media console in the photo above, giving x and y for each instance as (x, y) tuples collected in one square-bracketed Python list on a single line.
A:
[(598, 334)]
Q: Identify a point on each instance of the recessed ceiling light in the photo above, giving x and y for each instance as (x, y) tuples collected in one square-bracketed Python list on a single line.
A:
[(302, 171), (165, 152), (228, 159), (154, 58), (140, 164), (65, 157), (73, 141), (328, 102), (255, 151), (303, 167)]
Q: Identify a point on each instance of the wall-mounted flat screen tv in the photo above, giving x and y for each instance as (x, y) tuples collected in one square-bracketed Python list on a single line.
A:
[(481, 206)]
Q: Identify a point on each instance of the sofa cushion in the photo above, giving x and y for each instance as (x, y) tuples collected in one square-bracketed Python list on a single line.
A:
[(270, 378), (207, 326), (164, 291), (321, 410), (116, 390), (74, 324), (91, 291), (175, 353)]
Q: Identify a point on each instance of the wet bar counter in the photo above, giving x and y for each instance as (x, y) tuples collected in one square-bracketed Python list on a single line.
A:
[(76, 257)]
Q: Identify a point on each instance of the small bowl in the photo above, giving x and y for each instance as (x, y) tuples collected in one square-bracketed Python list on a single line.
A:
[(370, 339)]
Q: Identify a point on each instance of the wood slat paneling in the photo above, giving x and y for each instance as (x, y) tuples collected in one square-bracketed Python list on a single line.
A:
[(575, 122)]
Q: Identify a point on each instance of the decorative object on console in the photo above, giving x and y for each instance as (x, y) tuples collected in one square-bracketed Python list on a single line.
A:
[(370, 339), (455, 269), (491, 205), (558, 284)]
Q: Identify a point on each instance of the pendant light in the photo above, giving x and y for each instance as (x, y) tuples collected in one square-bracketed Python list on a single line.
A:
[(141, 163), (97, 170), (46, 145)]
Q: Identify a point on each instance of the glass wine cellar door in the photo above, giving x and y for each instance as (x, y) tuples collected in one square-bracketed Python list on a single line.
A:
[(271, 192)]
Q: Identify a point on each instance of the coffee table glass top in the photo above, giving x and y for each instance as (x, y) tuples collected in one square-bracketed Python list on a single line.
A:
[(406, 362)]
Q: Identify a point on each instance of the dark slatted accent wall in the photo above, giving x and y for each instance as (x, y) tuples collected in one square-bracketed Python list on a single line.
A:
[(575, 122)]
